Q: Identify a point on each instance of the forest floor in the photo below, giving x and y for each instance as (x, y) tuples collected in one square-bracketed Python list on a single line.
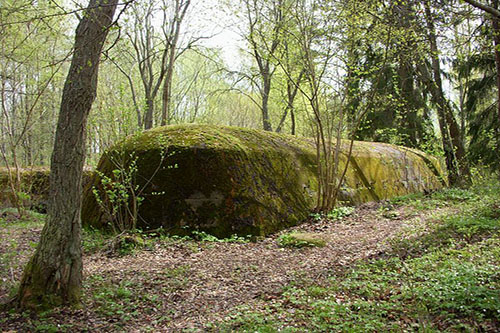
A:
[(420, 262)]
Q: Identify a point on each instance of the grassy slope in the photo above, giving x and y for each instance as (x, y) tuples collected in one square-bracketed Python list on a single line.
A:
[(446, 279)]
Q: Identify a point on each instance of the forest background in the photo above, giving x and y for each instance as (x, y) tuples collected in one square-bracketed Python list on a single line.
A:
[(413, 69), (424, 74)]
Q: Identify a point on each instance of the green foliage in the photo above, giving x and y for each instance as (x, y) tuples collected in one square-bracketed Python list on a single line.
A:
[(464, 284), (339, 213), (119, 193), (114, 300), (118, 196), (30, 50), (479, 217), (478, 73), (335, 214), (443, 280), (205, 237), (11, 248), (10, 219), (94, 240), (422, 201), (299, 240), (49, 328), (127, 244), (123, 244), (176, 278), (23, 196)]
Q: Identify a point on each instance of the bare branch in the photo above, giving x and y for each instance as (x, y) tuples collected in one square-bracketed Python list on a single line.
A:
[(483, 7)]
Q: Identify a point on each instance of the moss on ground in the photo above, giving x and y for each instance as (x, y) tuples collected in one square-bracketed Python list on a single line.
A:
[(227, 180), (301, 239)]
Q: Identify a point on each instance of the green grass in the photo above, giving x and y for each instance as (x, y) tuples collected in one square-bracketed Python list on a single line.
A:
[(12, 226), (114, 300), (205, 237), (94, 240), (438, 199), (447, 279), (335, 214), (9, 219)]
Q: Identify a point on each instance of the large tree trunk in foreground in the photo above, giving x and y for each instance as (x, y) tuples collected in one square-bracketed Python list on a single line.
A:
[(54, 274)]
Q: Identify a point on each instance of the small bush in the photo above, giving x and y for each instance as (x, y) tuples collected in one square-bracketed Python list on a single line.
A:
[(205, 237), (335, 214), (339, 213)]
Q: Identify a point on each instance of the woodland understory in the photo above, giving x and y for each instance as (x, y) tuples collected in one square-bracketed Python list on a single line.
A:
[(419, 262), (425, 74)]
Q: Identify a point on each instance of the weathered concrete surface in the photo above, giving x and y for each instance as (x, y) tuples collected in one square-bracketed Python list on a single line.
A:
[(34, 185), (227, 180)]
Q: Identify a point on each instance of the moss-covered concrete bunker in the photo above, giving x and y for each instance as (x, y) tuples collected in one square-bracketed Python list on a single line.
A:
[(227, 180), (34, 185)]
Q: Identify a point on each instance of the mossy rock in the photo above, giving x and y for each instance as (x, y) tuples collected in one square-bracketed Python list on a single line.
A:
[(227, 180), (301, 239)]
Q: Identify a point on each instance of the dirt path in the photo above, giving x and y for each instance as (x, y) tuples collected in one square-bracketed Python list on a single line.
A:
[(189, 284), (215, 280)]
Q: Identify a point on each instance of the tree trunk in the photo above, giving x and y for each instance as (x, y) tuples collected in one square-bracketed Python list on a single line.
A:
[(289, 107), (148, 113), (266, 90), (405, 14), (53, 276), (291, 92), (167, 90), (451, 166), (461, 176), (459, 148), (181, 8), (407, 92), (496, 41)]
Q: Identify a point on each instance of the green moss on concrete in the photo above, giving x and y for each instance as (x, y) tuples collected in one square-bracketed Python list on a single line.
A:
[(34, 183), (227, 180)]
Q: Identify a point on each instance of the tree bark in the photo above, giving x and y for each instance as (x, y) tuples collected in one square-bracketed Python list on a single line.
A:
[(53, 276), (266, 122), (166, 113), (142, 40), (493, 11), (181, 8), (291, 92), (461, 176), (496, 41), (264, 52), (407, 92), (148, 114), (292, 118)]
